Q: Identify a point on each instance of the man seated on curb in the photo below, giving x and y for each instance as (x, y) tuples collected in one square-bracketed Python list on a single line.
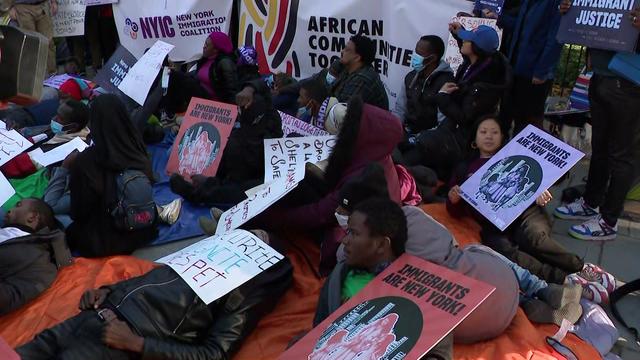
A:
[(376, 236), (31, 252), (158, 316)]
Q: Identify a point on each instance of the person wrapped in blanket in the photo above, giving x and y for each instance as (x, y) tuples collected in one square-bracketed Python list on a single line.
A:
[(158, 316), (528, 240), (31, 252), (429, 240)]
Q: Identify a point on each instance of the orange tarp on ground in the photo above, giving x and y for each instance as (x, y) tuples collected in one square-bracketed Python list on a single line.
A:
[(294, 314)]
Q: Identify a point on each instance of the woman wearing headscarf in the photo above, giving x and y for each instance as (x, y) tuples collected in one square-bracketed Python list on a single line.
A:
[(216, 70), (117, 147)]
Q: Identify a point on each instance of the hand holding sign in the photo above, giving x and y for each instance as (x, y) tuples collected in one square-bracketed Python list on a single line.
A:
[(138, 81)]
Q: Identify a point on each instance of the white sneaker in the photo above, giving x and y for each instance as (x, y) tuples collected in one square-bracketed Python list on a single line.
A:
[(595, 229), (576, 210)]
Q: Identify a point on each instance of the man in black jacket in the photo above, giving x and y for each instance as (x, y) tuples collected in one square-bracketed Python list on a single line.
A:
[(158, 316), (30, 253), (416, 105)]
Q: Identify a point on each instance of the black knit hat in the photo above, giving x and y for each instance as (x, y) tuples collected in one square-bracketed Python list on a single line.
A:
[(370, 184)]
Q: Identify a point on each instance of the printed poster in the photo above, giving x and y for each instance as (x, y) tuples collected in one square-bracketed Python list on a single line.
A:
[(401, 314), (513, 178), (289, 155), (257, 202), (452, 55), (293, 125), (69, 20), (138, 80), (600, 25), (184, 24), (202, 138), (116, 68), (303, 37), (215, 266)]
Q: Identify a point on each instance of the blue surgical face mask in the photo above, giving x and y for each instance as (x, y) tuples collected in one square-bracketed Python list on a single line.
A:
[(56, 127), (418, 62), (303, 113), (330, 78)]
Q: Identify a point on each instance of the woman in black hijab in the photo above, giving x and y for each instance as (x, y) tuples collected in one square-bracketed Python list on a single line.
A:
[(117, 146)]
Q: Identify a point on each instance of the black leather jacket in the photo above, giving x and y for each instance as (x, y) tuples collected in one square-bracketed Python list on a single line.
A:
[(176, 324)]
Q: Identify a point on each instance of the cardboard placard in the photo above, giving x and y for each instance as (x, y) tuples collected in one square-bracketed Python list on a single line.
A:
[(452, 55), (137, 82), (600, 25), (69, 20), (293, 125), (513, 178), (112, 73), (202, 138), (256, 203), (215, 266), (401, 314), (289, 155)]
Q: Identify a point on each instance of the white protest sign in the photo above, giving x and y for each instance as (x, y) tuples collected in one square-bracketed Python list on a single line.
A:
[(452, 55), (12, 144), (56, 81), (185, 24), (289, 155), (6, 190), (69, 20), (257, 203), (215, 266), (59, 153), (293, 125), (514, 177), (138, 81)]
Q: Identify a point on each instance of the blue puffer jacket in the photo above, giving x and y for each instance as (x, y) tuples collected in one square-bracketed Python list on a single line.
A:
[(534, 50)]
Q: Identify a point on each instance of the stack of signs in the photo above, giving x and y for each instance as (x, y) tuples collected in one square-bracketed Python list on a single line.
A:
[(202, 138), (215, 266), (293, 125), (452, 56), (138, 80), (401, 314), (69, 20), (112, 73), (513, 178), (289, 155), (599, 24), (256, 203), (494, 6)]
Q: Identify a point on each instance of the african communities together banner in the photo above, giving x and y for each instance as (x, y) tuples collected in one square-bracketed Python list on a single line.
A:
[(303, 37)]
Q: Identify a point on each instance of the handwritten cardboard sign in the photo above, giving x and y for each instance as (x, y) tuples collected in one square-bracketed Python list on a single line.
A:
[(257, 203), (138, 80), (12, 144), (293, 125), (215, 266), (112, 73), (202, 138), (69, 20), (513, 178), (289, 155), (452, 56), (599, 24), (401, 314), (59, 153)]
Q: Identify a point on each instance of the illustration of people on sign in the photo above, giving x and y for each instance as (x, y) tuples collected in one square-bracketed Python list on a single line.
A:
[(509, 182), (198, 148)]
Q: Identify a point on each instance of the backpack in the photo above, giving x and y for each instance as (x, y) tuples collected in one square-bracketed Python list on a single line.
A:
[(134, 208)]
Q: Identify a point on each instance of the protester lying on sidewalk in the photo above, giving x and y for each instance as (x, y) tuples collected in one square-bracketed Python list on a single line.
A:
[(70, 122), (242, 163), (431, 241), (31, 252), (98, 182), (158, 316), (528, 240), (376, 236)]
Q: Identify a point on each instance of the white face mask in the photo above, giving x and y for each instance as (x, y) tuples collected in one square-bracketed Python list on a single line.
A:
[(343, 220)]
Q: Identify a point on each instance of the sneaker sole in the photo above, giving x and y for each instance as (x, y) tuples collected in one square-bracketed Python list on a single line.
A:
[(592, 238), (572, 217)]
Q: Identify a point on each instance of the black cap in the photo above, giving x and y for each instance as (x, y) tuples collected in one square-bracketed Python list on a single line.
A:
[(371, 183)]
